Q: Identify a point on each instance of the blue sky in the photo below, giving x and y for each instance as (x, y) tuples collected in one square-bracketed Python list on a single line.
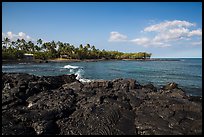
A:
[(166, 29)]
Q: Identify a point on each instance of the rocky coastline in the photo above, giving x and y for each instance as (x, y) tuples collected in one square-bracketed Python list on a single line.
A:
[(62, 105)]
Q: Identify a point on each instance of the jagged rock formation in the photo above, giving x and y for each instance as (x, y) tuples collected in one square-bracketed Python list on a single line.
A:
[(61, 105)]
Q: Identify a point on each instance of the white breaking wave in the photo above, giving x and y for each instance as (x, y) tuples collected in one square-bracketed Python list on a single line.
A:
[(71, 67), (78, 71), (79, 74), (71, 70)]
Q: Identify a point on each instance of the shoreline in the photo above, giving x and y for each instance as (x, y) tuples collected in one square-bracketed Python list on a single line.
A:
[(78, 60), (85, 80)]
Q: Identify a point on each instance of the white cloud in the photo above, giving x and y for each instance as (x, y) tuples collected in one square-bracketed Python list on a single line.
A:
[(176, 34), (13, 37), (168, 24), (10, 35), (116, 37), (197, 32), (165, 34), (21, 34), (171, 35), (173, 30)]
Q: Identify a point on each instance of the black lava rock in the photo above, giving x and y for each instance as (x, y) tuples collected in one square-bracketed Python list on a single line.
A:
[(62, 105)]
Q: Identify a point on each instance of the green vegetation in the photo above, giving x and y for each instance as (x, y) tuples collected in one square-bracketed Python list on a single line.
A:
[(50, 50)]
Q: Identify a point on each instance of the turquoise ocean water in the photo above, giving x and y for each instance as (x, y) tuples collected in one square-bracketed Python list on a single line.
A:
[(187, 72)]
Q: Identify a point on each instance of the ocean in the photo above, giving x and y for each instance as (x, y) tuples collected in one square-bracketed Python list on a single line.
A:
[(186, 72)]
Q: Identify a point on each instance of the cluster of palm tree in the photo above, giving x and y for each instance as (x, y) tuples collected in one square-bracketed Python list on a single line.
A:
[(48, 50)]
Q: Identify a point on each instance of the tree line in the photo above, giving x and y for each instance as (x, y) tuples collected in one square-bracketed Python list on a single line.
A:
[(50, 50)]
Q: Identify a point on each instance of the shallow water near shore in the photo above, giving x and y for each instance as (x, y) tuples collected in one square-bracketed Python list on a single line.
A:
[(187, 72)]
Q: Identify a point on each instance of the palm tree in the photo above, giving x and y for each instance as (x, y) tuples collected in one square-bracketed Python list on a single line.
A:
[(37, 48), (45, 46), (80, 46), (31, 46), (68, 50), (72, 49), (87, 46), (50, 49), (24, 45), (93, 48), (39, 43), (60, 47), (53, 45), (86, 50), (14, 44), (6, 42), (18, 42), (93, 52)]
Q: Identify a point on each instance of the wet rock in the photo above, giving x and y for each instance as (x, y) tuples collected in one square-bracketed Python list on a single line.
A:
[(170, 86), (150, 86)]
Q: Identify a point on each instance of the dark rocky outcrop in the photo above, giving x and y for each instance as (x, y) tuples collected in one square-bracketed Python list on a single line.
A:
[(61, 105)]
